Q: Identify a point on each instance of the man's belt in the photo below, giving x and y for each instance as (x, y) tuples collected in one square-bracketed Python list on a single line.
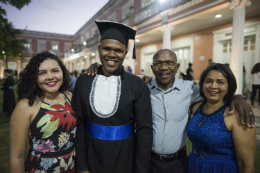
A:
[(110, 133), (170, 157)]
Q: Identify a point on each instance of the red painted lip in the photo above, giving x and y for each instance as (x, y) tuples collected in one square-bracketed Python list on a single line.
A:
[(51, 83)]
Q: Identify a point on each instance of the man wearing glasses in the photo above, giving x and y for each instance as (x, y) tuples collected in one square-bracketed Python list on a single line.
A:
[(170, 98)]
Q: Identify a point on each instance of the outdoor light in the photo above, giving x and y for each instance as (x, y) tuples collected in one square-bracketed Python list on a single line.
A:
[(84, 43), (137, 40), (86, 56), (3, 52), (72, 50), (218, 16), (93, 54)]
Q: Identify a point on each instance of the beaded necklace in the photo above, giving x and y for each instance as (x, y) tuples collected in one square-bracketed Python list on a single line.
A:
[(212, 113)]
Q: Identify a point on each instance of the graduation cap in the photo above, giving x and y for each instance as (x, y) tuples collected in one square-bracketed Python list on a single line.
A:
[(116, 31)]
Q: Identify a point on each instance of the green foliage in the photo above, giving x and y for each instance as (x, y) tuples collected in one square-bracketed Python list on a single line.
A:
[(10, 46), (16, 3)]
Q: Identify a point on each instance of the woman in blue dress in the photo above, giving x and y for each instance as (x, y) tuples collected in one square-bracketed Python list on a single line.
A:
[(220, 143)]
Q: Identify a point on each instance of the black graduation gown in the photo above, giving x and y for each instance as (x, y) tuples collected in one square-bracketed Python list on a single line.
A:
[(9, 99), (121, 156)]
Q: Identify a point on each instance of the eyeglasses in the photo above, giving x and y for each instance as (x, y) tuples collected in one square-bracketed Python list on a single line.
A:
[(167, 64)]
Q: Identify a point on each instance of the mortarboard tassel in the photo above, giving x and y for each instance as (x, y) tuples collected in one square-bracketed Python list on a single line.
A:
[(134, 57)]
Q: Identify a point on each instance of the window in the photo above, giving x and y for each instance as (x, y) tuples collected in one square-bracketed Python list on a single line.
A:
[(173, 2), (227, 47), (41, 46), (55, 49), (249, 44), (27, 50), (146, 2)]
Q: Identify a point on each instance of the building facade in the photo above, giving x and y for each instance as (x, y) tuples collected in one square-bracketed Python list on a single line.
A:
[(196, 30)]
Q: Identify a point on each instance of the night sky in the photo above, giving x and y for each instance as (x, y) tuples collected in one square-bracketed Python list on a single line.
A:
[(56, 16)]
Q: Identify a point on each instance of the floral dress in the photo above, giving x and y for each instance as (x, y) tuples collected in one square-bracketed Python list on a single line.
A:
[(51, 138)]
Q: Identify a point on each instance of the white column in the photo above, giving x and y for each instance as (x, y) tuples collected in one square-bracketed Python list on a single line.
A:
[(97, 56), (236, 62), (130, 55), (75, 65), (87, 62), (80, 64), (166, 36), (70, 66), (1, 70), (18, 67), (257, 45)]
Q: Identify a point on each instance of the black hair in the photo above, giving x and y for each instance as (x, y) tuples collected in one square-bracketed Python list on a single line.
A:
[(190, 64), (8, 71), (227, 73), (28, 87), (256, 68)]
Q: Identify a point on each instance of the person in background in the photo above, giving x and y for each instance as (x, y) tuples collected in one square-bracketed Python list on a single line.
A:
[(142, 72), (129, 69), (256, 83), (226, 64), (189, 72), (210, 62), (9, 98), (220, 143), (45, 112), (183, 76), (73, 80)]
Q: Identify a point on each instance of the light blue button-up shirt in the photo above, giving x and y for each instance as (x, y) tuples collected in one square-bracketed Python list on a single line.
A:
[(170, 114)]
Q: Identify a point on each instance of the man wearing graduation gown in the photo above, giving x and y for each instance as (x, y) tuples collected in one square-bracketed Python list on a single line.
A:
[(9, 99), (114, 130)]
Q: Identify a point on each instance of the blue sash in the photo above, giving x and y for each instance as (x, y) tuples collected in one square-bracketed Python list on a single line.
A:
[(110, 133), (11, 87)]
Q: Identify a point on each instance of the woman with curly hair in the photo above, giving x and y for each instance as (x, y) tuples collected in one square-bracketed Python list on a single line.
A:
[(44, 111), (256, 83)]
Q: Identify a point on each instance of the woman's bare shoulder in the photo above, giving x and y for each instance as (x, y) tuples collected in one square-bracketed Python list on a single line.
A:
[(195, 107), (68, 94)]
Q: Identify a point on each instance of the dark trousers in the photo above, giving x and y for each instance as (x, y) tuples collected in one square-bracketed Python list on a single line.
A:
[(178, 165), (254, 89)]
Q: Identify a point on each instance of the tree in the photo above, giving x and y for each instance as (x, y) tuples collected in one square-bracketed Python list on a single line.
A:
[(10, 46)]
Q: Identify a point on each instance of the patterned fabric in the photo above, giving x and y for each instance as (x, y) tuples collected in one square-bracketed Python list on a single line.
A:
[(51, 139), (105, 94), (213, 150)]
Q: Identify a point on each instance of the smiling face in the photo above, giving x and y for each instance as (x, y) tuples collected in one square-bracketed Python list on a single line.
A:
[(50, 77), (215, 86), (165, 74), (112, 54)]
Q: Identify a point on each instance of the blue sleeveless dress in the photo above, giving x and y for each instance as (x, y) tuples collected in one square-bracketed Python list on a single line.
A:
[(213, 149)]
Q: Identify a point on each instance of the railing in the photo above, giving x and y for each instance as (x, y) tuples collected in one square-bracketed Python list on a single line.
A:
[(94, 40), (47, 34), (155, 8), (126, 21), (68, 54)]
